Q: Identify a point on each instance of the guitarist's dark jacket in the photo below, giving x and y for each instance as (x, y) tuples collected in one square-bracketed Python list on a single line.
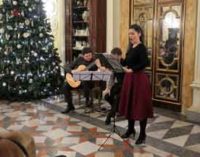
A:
[(80, 61)]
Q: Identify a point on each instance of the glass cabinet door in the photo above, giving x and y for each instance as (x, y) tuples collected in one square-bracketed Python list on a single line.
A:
[(168, 51), (161, 21), (142, 14)]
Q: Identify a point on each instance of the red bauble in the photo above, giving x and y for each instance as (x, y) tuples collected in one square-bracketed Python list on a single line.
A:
[(15, 12)]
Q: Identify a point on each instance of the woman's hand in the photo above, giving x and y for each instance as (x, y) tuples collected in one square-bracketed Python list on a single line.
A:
[(100, 67), (127, 70), (106, 91), (98, 63)]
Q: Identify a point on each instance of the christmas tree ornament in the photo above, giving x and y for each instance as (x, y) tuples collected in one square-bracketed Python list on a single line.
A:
[(41, 35), (35, 54), (25, 3), (9, 27), (6, 52), (30, 81), (29, 74), (41, 58), (18, 36), (15, 12), (14, 2), (19, 46), (21, 25), (30, 9), (7, 36), (27, 22), (32, 23), (17, 61), (1, 30), (1, 16), (22, 13), (26, 35), (4, 84), (12, 72), (35, 16)]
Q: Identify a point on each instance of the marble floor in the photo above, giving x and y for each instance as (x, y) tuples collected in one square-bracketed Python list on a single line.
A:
[(81, 134)]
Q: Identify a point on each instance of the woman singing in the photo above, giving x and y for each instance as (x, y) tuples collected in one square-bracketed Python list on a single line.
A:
[(135, 98)]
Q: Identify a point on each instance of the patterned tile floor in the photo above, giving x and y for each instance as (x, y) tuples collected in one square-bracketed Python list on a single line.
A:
[(79, 134)]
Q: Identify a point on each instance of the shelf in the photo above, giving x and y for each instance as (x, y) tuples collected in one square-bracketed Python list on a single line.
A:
[(81, 36), (80, 16), (77, 48), (80, 7), (79, 22)]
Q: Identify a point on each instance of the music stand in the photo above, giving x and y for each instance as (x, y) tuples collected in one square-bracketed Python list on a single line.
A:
[(92, 75), (114, 131), (101, 75), (111, 63), (83, 75)]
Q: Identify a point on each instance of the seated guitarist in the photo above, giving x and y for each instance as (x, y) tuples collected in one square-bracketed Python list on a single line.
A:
[(86, 59)]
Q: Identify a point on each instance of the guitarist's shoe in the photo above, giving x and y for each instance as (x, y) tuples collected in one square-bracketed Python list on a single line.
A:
[(68, 110)]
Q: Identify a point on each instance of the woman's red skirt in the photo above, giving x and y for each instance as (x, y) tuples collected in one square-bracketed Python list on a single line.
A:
[(135, 98)]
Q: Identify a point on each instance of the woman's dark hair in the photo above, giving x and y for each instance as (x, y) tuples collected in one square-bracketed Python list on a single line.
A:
[(138, 29), (116, 51), (86, 50)]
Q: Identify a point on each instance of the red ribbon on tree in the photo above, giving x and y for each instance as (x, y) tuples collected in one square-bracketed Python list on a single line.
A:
[(15, 12)]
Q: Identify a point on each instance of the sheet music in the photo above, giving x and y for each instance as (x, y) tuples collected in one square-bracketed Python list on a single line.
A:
[(103, 76), (92, 75), (83, 75), (109, 62)]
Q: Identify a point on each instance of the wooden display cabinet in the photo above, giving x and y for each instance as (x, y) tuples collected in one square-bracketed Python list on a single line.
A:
[(85, 26), (163, 24)]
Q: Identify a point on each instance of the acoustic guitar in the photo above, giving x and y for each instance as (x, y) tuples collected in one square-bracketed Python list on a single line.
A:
[(69, 78)]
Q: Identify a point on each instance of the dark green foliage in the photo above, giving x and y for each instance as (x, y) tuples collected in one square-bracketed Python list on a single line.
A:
[(29, 63)]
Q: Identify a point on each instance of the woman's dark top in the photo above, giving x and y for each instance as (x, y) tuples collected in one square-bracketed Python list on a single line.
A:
[(136, 58)]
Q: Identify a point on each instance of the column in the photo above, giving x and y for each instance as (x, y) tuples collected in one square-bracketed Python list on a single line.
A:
[(113, 24), (196, 83), (55, 11), (60, 38)]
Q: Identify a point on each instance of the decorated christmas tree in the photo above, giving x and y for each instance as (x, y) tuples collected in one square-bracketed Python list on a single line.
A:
[(29, 63)]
